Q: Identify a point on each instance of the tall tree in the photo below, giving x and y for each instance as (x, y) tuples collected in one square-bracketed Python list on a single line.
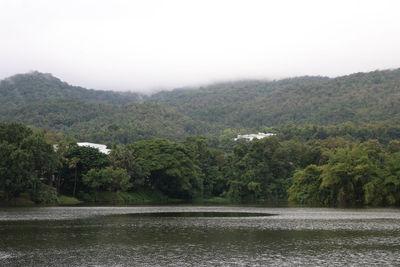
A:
[(168, 168)]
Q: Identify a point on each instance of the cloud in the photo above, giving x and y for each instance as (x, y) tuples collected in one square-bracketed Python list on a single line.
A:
[(147, 45)]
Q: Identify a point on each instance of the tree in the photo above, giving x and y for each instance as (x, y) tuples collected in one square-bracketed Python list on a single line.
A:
[(25, 160), (347, 170), (394, 146), (16, 170), (125, 158), (79, 160), (351, 175), (305, 187), (392, 179), (108, 179), (210, 162), (168, 168), (73, 164), (262, 170), (43, 156), (14, 133)]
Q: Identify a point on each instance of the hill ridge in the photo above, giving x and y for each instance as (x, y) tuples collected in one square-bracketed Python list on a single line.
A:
[(45, 101), (36, 86)]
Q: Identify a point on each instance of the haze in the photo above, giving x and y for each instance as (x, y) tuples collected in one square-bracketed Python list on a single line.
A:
[(151, 45)]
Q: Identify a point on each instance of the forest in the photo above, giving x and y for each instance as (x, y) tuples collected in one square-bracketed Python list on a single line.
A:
[(335, 142), (342, 166), (42, 100)]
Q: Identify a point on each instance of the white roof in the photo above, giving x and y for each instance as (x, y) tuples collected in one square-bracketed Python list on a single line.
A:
[(252, 136), (100, 147)]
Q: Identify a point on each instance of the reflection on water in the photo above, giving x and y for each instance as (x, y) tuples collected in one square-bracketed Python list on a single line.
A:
[(191, 236)]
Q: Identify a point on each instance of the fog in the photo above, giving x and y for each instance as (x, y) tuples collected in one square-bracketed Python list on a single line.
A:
[(151, 45)]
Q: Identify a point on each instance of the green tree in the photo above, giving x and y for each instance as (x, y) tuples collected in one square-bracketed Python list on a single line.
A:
[(14, 133), (16, 170), (210, 162), (305, 188), (125, 158), (78, 161), (392, 179), (73, 164), (168, 168), (107, 179), (43, 156), (262, 169), (26, 160)]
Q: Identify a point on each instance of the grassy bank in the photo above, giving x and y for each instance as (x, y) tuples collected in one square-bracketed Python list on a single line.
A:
[(66, 201), (140, 197)]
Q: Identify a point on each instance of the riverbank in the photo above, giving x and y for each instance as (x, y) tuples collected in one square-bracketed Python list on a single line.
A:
[(141, 197)]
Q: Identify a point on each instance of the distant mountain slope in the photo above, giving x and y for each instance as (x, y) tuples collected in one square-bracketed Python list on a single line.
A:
[(35, 87), (44, 101), (98, 122), (99, 116), (360, 97), (223, 98)]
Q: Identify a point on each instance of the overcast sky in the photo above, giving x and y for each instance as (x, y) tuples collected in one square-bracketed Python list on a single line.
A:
[(149, 45)]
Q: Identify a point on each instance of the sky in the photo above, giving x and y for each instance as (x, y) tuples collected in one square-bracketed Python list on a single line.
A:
[(149, 45)]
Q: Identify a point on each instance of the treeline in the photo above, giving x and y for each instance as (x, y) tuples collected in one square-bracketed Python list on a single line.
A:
[(383, 131), (349, 174), (30, 165), (329, 171)]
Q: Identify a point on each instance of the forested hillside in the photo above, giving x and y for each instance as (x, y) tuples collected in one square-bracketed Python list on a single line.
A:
[(41, 100), (36, 87), (97, 122), (218, 111), (361, 97)]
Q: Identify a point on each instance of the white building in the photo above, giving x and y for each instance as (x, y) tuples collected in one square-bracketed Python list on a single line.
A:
[(100, 147), (250, 137)]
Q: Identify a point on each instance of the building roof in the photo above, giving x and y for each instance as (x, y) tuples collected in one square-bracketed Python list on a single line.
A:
[(100, 147), (252, 136)]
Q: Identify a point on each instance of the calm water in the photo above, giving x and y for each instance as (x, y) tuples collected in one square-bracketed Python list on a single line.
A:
[(198, 236)]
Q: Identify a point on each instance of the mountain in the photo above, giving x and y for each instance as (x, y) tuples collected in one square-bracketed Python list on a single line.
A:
[(103, 116), (36, 87), (361, 97), (44, 101)]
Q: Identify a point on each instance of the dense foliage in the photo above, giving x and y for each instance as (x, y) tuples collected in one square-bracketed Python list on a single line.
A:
[(25, 160), (323, 171), (351, 174), (105, 123), (261, 170)]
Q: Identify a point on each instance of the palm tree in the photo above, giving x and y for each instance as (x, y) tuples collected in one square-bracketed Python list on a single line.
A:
[(74, 164)]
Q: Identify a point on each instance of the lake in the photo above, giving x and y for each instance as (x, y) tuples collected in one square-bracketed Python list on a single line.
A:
[(198, 236)]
